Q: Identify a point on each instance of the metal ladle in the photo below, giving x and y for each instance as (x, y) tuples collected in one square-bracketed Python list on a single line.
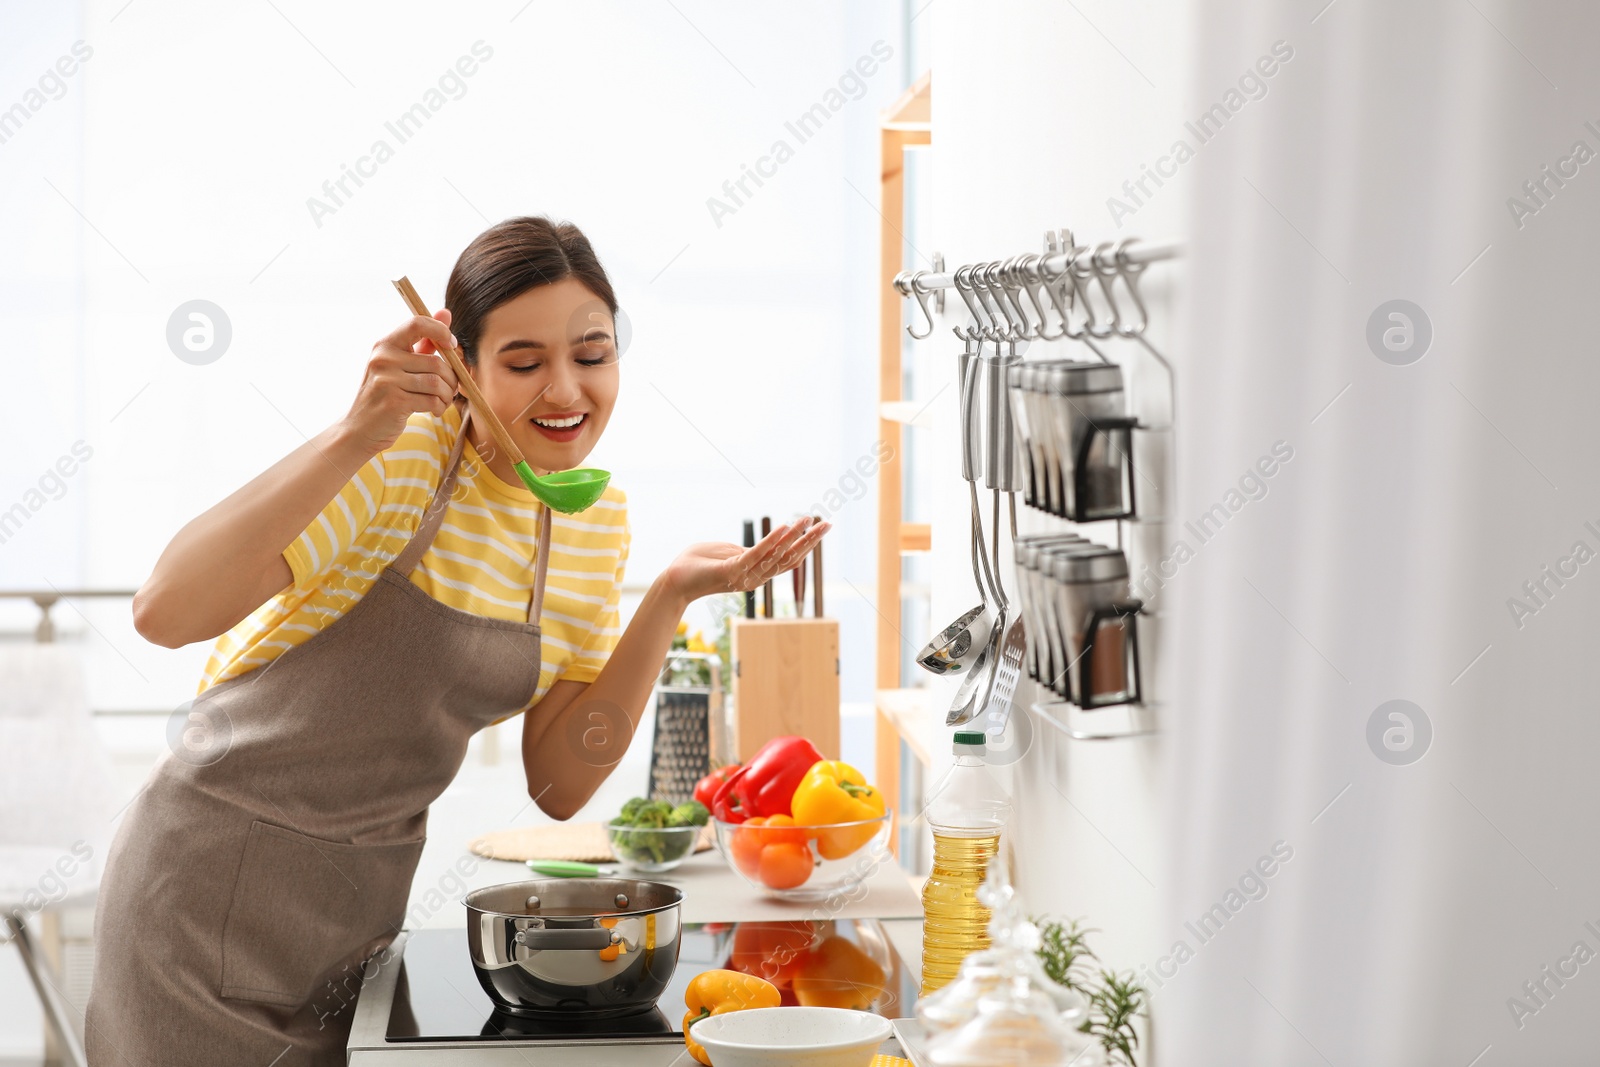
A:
[(961, 645), (974, 691)]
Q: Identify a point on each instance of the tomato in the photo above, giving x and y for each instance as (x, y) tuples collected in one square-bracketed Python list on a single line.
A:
[(706, 788), (771, 950), (753, 835), (785, 865), (753, 852), (745, 847)]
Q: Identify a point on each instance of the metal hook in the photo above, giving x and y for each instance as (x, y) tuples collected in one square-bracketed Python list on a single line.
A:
[(1033, 280), (1071, 276), (994, 284), (921, 297), (1105, 272), (1011, 276), (975, 329), (1061, 290), (980, 283), (1130, 272), (1080, 280)]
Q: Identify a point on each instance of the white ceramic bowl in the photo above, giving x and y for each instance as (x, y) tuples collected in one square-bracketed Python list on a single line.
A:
[(792, 1037)]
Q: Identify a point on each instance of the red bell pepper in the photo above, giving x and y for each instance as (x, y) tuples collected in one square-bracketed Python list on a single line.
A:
[(705, 790), (766, 784)]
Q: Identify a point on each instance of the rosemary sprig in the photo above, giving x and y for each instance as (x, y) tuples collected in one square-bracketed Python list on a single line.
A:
[(1114, 1001), (1064, 951), (1113, 1006)]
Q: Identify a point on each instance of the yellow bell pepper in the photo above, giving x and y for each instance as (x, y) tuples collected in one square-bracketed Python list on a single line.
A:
[(718, 992), (835, 792)]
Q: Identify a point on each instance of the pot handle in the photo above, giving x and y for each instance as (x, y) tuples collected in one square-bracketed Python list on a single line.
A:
[(537, 937)]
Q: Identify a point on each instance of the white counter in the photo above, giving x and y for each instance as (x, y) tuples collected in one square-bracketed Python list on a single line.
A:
[(711, 893)]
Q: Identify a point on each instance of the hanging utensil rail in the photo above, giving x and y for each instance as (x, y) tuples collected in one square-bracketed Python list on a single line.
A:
[(1068, 291)]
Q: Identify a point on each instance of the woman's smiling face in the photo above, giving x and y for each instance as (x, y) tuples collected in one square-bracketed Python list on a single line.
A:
[(547, 365)]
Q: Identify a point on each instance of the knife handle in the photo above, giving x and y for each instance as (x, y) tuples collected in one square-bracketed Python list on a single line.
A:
[(563, 868), (766, 588), (816, 575), (750, 594)]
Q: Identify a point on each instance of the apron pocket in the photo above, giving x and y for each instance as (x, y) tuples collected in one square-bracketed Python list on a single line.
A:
[(303, 906)]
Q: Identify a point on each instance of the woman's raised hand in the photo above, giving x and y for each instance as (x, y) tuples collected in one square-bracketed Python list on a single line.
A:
[(717, 567), (405, 375)]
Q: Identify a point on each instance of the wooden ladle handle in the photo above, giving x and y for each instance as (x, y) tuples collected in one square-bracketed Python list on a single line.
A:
[(468, 385)]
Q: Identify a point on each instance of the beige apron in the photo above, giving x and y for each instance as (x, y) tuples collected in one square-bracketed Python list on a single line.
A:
[(241, 897)]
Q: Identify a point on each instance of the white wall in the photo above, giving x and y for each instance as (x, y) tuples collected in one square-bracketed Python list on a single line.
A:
[(1037, 120), (1420, 897)]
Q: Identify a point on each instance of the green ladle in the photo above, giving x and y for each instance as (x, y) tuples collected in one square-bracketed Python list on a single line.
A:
[(563, 491)]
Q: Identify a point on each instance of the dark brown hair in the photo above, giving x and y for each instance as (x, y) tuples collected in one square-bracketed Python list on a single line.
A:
[(507, 260)]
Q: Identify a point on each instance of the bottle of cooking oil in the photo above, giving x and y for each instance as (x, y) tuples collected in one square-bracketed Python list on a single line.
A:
[(968, 809)]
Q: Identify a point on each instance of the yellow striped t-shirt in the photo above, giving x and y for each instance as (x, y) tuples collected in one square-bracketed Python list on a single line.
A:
[(482, 559)]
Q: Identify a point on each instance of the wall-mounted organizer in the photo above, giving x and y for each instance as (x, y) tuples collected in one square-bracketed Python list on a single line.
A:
[(1089, 454)]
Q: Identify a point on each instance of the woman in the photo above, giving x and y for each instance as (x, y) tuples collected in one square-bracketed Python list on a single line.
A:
[(386, 590)]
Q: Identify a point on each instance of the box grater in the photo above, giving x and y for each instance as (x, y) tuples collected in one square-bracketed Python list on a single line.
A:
[(689, 731)]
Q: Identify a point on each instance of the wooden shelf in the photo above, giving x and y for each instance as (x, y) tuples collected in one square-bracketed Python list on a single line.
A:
[(912, 109), (904, 124), (916, 537)]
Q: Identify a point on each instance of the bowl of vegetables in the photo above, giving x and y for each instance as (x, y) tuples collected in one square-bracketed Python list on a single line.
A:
[(792, 861), (799, 827), (653, 836)]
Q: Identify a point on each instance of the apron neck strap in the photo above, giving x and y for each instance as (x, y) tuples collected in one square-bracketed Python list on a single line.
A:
[(536, 601), (412, 554)]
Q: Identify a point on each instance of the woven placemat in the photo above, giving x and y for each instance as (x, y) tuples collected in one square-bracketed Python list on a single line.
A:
[(581, 842)]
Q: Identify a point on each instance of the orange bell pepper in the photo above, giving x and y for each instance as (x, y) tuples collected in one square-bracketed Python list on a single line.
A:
[(834, 792), (717, 993), (838, 974)]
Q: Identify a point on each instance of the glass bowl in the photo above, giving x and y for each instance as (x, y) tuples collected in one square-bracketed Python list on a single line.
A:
[(652, 850), (806, 862)]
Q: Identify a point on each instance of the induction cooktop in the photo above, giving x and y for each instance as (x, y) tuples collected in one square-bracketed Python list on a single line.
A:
[(835, 963)]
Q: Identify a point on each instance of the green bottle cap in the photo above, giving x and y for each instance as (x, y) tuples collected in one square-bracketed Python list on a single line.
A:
[(970, 737)]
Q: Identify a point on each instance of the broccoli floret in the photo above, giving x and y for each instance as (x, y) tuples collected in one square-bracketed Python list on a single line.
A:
[(645, 814), (689, 813), (630, 810)]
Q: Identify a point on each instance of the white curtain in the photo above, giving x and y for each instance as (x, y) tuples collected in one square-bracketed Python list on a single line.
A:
[(1407, 903)]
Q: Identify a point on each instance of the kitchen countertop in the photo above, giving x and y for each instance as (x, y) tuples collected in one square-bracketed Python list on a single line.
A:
[(713, 893)]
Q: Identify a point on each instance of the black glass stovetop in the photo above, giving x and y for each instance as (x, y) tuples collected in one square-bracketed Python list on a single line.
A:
[(848, 963)]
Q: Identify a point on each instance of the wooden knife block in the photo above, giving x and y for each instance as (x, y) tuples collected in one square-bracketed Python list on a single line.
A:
[(785, 681)]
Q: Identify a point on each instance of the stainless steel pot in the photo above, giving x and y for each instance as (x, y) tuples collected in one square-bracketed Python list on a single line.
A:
[(597, 947)]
